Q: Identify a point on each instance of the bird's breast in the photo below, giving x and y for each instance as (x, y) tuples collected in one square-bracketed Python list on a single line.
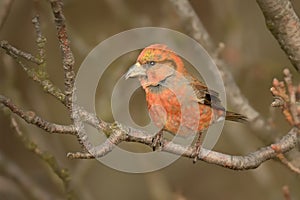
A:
[(176, 112)]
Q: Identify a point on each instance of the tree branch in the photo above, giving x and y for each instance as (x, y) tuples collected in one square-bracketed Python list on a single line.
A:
[(32, 118), (39, 75), (122, 133), (40, 40), (284, 24), (11, 50), (284, 94), (286, 162), (67, 55), (285, 97)]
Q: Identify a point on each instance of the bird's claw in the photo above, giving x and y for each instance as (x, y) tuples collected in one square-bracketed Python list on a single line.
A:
[(197, 148), (157, 141), (196, 152)]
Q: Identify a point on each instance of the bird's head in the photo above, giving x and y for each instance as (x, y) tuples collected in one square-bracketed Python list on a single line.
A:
[(155, 64)]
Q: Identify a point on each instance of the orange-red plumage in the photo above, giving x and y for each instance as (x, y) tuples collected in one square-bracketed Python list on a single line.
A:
[(177, 102)]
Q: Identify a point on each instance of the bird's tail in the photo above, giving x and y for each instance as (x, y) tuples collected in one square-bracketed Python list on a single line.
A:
[(232, 116)]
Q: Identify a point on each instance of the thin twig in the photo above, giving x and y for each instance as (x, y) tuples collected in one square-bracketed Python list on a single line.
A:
[(40, 39), (40, 75), (285, 97), (31, 118), (11, 50), (286, 162), (67, 55), (281, 99), (284, 24)]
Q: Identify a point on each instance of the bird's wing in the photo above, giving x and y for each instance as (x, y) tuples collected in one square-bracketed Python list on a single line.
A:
[(204, 95)]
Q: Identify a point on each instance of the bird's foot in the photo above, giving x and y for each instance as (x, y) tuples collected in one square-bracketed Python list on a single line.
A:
[(157, 141), (196, 152), (197, 148)]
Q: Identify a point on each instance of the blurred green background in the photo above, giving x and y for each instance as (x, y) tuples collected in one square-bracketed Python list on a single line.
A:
[(254, 58)]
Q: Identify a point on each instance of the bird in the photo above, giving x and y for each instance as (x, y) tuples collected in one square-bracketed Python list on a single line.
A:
[(177, 102)]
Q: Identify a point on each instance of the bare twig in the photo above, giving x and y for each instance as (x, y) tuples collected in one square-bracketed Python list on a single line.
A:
[(121, 133), (281, 99), (67, 55), (40, 39), (285, 97), (31, 118), (49, 159), (284, 24), (15, 173), (39, 75), (286, 162), (67, 60), (4, 11), (11, 50)]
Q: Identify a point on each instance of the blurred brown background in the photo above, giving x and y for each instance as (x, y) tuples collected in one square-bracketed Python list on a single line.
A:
[(254, 58)]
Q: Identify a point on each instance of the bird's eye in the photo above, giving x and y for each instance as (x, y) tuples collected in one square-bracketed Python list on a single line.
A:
[(152, 63)]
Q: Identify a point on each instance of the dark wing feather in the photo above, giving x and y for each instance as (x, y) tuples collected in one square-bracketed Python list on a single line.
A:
[(211, 98), (204, 95)]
